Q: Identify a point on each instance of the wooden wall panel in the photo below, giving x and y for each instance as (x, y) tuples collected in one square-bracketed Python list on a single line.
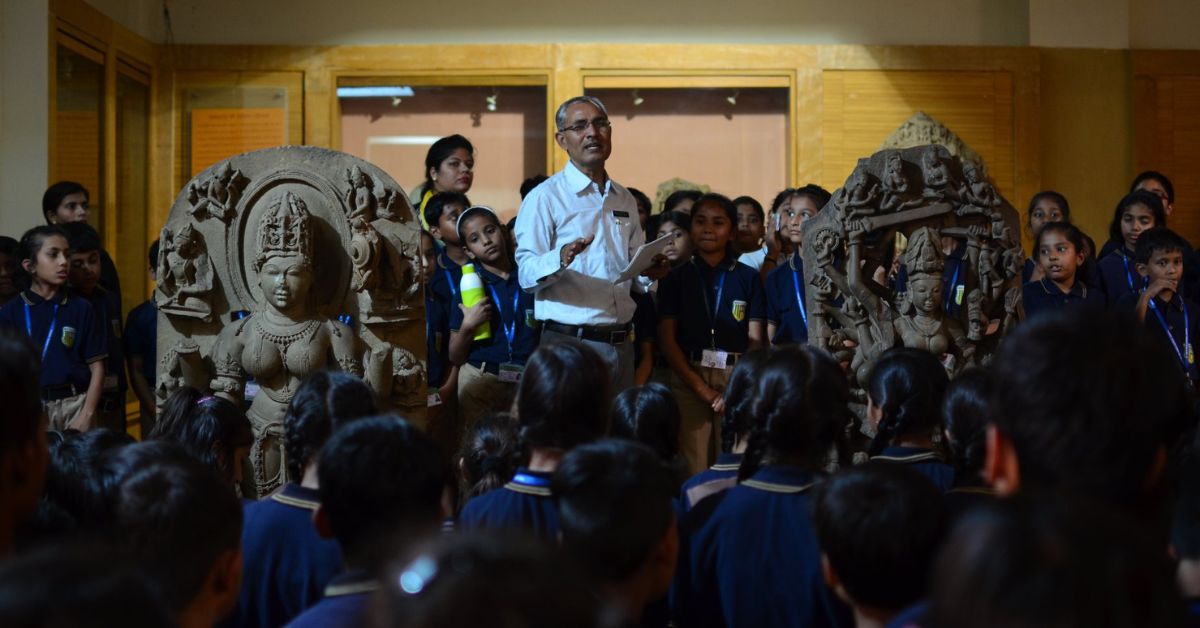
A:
[(1167, 128)]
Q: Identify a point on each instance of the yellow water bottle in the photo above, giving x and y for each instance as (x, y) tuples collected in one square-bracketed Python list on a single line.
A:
[(471, 289)]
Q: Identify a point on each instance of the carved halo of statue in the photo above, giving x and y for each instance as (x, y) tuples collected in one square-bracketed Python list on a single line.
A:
[(185, 274)]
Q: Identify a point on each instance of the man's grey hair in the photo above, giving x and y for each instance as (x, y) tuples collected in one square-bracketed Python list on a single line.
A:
[(560, 117)]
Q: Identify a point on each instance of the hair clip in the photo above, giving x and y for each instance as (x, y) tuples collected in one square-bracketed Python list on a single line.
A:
[(201, 400)]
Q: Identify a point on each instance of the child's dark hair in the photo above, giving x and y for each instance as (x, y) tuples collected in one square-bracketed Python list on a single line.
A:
[(379, 475), (81, 237), (1053, 561), (152, 254), (178, 516), (325, 401), (679, 219), (532, 182), (642, 201), (907, 385), (210, 428), (54, 195), (28, 247), (678, 196), (750, 200), (799, 412), (478, 210), (8, 246), (1154, 175), (1067, 230), (1054, 197), (20, 389), (879, 526), (488, 456), (721, 201), (1158, 240), (563, 399), (74, 480), (437, 206), (440, 151), (966, 412), (739, 398), (615, 503), (1134, 198), (813, 192), (649, 415)]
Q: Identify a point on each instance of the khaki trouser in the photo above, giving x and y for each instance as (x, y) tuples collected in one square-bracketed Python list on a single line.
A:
[(700, 427), (61, 412), (481, 393)]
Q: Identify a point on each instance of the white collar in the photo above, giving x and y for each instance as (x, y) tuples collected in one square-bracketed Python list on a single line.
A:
[(579, 181)]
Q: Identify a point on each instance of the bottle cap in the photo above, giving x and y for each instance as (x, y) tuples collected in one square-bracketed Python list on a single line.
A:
[(468, 269)]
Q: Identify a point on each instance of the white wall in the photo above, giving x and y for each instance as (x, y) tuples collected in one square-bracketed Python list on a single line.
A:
[(1080, 23), (24, 112)]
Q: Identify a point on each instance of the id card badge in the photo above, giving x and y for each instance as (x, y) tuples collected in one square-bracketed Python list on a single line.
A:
[(713, 359), (958, 294), (1191, 355), (511, 373), (432, 398), (110, 382)]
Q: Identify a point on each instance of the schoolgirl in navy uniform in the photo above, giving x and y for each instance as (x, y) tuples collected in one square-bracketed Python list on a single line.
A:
[(1045, 207), (711, 311), (489, 370), (787, 314), (966, 412), (1137, 212), (749, 556), (1059, 249), (563, 401), (63, 327), (904, 405)]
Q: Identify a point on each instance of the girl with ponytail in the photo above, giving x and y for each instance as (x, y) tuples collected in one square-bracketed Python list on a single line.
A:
[(904, 405), (966, 414), (749, 555)]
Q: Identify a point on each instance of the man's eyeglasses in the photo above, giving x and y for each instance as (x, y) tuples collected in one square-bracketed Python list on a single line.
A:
[(601, 124)]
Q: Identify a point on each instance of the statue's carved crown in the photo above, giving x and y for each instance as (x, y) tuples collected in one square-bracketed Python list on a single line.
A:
[(923, 256), (285, 229)]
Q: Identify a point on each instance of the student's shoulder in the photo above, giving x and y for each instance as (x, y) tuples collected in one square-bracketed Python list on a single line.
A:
[(745, 271)]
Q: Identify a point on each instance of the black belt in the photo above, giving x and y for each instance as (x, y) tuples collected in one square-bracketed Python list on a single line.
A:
[(486, 367), (54, 393), (608, 334), (730, 358)]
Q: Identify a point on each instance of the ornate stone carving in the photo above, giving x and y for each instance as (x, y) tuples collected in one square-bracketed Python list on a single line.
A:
[(217, 195), (923, 129), (185, 274)]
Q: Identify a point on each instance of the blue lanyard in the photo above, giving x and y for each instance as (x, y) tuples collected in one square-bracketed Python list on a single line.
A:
[(49, 332), (510, 329), (1128, 275), (1187, 334), (712, 311), (948, 300), (450, 280), (799, 297), (530, 480)]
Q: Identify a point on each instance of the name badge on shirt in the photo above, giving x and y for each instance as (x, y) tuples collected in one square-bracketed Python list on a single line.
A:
[(68, 337), (433, 399), (958, 294), (1191, 356), (620, 214), (713, 359), (739, 311), (530, 320), (511, 373)]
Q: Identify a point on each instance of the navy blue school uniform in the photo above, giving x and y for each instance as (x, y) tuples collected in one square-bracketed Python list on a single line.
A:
[(107, 307), (645, 322), (1044, 295), (1174, 322), (141, 338), (719, 477), (524, 503), (345, 604), (749, 557), (286, 564), (65, 333), (1118, 275), (694, 290), (926, 461), (965, 496), (786, 308), (514, 330), (912, 616), (109, 278), (440, 296), (954, 279)]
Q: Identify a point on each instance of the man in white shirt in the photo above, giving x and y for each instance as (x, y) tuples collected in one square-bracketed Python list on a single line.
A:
[(575, 233)]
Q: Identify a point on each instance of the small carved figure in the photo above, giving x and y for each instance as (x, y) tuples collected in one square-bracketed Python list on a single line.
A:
[(938, 183), (895, 185), (360, 196), (185, 274), (218, 196), (859, 195), (977, 194)]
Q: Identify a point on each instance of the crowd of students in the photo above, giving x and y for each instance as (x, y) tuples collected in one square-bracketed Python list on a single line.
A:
[(1055, 486)]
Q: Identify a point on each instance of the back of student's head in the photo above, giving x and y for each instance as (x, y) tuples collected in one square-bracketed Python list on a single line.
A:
[(563, 399), (879, 526), (649, 415), (1142, 198), (799, 410), (488, 455), (1088, 400), (907, 386), (324, 402), (1156, 241), (210, 428), (1052, 562), (81, 237), (78, 585), (179, 518), (75, 477), (966, 412), (379, 475), (739, 398), (19, 388), (614, 507)]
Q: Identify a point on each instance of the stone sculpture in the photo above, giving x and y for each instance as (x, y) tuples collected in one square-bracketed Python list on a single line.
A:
[(185, 274)]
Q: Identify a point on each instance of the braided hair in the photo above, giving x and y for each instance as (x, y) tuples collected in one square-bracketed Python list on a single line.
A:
[(907, 385), (966, 414), (739, 398), (799, 411), (324, 402), (488, 456)]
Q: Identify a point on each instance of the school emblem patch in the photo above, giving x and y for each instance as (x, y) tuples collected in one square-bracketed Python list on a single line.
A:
[(68, 337), (739, 311), (530, 321)]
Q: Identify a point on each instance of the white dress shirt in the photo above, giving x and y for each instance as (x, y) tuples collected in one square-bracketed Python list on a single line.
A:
[(564, 208)]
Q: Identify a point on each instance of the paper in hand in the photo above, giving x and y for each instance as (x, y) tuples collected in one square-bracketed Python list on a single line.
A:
[(643, 258)]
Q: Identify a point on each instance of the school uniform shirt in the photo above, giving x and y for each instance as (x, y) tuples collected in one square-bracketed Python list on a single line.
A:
[(754, 259), (286, 564), (786, 308), (514, 316), (1118, 275), (141, 338), (645, 322), (1176, 329), (63, 330), (720, 476), (524, 503), (107, 308), (954, 279), (344, 604), (440, 296), (109, 278), (1044, 295), (966, 495), (926, 461), (749, 557), (694, 290)]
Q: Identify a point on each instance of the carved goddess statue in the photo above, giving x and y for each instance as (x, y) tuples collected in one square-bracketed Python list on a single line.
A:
[(185, 274), (283, 340)]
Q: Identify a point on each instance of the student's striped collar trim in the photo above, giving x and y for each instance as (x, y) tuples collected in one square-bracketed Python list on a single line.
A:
[(773, 487), (726, 467), (540, 491), (922, 457), (290, 500), (973, 490), (351, 588)]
